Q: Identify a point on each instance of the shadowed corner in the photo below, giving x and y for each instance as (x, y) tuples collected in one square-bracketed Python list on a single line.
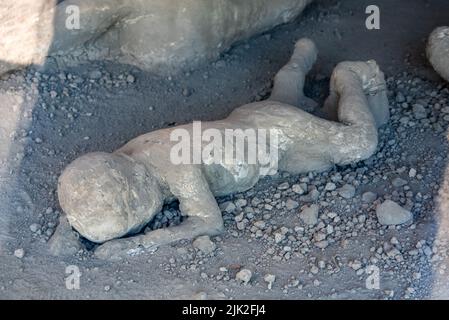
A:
[(17, 102)]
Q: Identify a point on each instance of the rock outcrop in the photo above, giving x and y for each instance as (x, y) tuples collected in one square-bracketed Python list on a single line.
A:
[(154, 35)]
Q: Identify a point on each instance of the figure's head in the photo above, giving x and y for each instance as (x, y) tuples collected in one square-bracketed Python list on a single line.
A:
[(107, 196)]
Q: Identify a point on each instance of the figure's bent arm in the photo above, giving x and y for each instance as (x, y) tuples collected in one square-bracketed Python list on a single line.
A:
[(196, 202)]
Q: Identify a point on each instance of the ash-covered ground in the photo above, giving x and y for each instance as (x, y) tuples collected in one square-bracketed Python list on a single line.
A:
[(51, 115)]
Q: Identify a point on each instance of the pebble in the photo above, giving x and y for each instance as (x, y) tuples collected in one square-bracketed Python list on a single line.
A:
[(228, 207), (390, 213), (291, 204), (347, 191), (330, 186), (34, 227), (244, 276), (130, 78), (369, 197), (284, 186), (270, 278), (204, 244), (419, 111), (241, 203), (186, 92), (309, 215), (296, 188), (19, 253), (398, 182)]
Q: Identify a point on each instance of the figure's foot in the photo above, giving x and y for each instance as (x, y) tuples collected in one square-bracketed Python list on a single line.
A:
[(373, 84), (289, 81), (305, 53), (373, 79)]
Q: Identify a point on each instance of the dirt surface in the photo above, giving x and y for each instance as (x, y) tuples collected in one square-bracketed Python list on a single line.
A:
[(51, 116)]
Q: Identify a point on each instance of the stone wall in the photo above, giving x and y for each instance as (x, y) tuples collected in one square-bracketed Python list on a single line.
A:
[(151, 34)]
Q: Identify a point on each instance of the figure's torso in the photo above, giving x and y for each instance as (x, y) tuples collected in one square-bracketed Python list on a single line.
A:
[(267, 121)]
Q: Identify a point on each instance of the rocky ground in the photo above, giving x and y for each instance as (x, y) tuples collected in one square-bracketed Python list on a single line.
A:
[(314, 236)]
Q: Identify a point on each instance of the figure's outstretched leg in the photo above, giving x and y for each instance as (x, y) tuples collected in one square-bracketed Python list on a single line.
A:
[(351, 84), (289, 81)]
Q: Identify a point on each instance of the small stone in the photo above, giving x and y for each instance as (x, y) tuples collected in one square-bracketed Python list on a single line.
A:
[(186, 92), (270, 278), (390, 213), (284, 186), (419, 111), (95, 75), (369, 197), (398, 182), (241, 203), (314, 270), (204, 244), (130, 78), (356, 265), (347, 191), (412, 173), (319, 236), (394, 241), (244, 276), (107, 288), (64, 241), (330, 186), (400, 97), (34, 227), (278, 237), (260, 224), (19, 253), (228, 207), (291, 204), (322, 244), (296, 188), (309, 215)]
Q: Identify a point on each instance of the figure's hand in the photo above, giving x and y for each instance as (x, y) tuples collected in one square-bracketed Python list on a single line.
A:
[(115, 249), (120, 248)]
